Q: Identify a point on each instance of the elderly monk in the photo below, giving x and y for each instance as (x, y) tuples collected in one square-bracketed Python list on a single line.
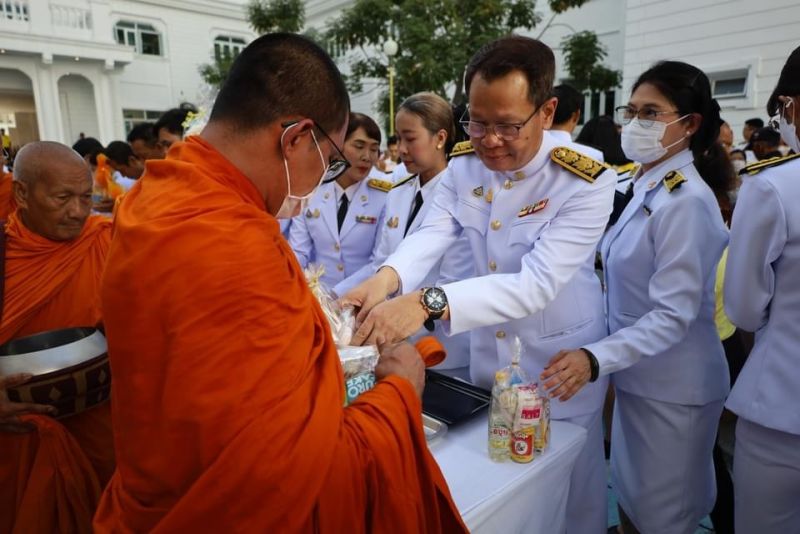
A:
[(228, 392), (51, 472)]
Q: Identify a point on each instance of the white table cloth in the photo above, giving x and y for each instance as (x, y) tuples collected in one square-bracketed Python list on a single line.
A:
[(508, 497)]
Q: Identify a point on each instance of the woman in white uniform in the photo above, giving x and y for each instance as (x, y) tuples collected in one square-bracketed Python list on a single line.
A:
[(670, 373), (425, 129), (762, 295), (341, 223)]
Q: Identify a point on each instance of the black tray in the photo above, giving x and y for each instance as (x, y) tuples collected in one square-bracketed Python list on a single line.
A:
[(451, 400)]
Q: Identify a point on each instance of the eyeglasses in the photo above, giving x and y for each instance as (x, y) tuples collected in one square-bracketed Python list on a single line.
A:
[(504, 131), (336, 165), (646, 117)]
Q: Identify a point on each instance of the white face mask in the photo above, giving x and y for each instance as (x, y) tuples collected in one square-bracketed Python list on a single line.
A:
[(644, 144), (789, 131), (293, 205)]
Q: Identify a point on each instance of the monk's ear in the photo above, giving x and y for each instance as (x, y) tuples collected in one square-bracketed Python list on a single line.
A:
[(294, 136), (21, 192)]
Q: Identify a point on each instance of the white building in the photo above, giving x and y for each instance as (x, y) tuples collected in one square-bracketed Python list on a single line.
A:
[(99, 66)]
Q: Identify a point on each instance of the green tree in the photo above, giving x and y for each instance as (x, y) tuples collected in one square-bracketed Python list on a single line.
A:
[(583, 54), (265, 16), (436, 39)]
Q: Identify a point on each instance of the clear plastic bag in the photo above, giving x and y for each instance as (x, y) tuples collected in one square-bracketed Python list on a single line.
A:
[(358, 363)]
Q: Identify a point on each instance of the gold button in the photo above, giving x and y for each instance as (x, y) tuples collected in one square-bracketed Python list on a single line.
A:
[(336, 247), (492, 266), (508, 184), (340, 267), (496, 225), (500, 334), (327, 196), (363, 198), (519, 175)]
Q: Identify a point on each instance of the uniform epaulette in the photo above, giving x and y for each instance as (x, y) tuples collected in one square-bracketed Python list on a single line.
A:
[(461, 149), (575, 162), (404, 181), (673, 180), (380, 185), (756, 168), (627, 168)]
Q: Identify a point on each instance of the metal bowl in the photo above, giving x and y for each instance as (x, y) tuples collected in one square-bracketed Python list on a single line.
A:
[(70, 368)]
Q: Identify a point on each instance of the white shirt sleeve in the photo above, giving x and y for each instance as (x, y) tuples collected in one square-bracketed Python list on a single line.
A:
[(687, 249), (300, 240), (419, 252), (564, 246), (758, 236)]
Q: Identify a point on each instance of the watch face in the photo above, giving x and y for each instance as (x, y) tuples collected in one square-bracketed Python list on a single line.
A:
[(435, 299)]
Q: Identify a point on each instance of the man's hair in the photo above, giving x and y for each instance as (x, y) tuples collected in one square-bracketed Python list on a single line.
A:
[(569, 101), (788, 82), (88, 146), (531, 57), (391, 140), (359, 120), (119, 152), (281, 75), (755, 123), (173, 119), (143, 132)]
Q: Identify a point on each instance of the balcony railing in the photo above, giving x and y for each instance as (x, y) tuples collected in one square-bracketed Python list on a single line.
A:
[(14, 10), (71, 17)]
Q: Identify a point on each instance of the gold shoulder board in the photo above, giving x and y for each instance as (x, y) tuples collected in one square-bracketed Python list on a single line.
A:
[(756, 168), (404, 181), (575, 162), (462, 148), (380, 185), (673, 180)]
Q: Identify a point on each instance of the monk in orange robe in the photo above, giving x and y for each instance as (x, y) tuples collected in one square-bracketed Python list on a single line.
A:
[(52, 472), (228, 391), (7, 202)]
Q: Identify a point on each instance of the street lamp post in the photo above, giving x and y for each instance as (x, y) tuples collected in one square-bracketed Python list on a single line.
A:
[(390, 49)]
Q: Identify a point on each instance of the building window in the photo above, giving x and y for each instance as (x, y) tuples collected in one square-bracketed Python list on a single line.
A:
[(132, 117), (597, 104), (14, 10), (729, 84), (143, 37), (226, 47)]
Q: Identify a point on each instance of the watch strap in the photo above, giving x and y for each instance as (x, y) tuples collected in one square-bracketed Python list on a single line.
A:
[(594, 365)]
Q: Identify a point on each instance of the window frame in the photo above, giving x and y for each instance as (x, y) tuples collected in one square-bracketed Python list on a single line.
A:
[(136, 30)]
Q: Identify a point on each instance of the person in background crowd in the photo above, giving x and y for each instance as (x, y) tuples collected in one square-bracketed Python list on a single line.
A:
[(726, 136), (750, 126), (425, 128), (6, 139), (168, 129), (339, 227), (88, 148), (601, 133), (762, 295), (567, 117), (389, 158), (127, 167), (765, 143), (533, 221), (669, 367), (7, 202), (144, 142), (52, 472), (274, 450)]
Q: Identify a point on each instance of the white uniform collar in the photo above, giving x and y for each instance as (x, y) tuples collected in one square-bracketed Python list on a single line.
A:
[(428, 188), (561, 135), (350, 191), (549, 142), (651, 178)]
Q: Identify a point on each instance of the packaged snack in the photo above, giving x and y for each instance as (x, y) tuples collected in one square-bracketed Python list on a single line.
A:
[(526, 419)]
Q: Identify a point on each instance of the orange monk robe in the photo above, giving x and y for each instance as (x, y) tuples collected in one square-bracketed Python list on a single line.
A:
[(7, 202), (51, 478), (228, 392)]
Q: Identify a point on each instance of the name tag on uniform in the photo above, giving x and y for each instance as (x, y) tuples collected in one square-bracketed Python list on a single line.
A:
[(366, 219), (533, 208)]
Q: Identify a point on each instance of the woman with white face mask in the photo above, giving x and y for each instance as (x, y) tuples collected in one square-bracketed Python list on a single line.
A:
[(670, 373), (762, 295)]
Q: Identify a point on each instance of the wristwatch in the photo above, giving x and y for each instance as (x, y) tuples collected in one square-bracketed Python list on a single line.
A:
[(434, 302), (594, 365)]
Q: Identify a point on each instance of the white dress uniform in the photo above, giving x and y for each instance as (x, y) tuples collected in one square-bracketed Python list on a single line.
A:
[(533, 234), (762, 295), (285, 225), (347, 254), (671, 375), (456, 264)]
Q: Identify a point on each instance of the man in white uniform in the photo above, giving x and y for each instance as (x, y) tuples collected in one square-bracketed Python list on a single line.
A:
[(533, 210), (567, 117)]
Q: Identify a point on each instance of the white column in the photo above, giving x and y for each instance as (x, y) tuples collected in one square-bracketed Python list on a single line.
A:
[(48, 107)]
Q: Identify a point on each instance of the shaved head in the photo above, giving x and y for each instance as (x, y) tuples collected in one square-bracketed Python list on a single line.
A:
[(44, 158), (53, 189)]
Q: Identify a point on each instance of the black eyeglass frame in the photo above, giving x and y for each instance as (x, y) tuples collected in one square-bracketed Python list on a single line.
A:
[(336, 166), (518, 126)]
